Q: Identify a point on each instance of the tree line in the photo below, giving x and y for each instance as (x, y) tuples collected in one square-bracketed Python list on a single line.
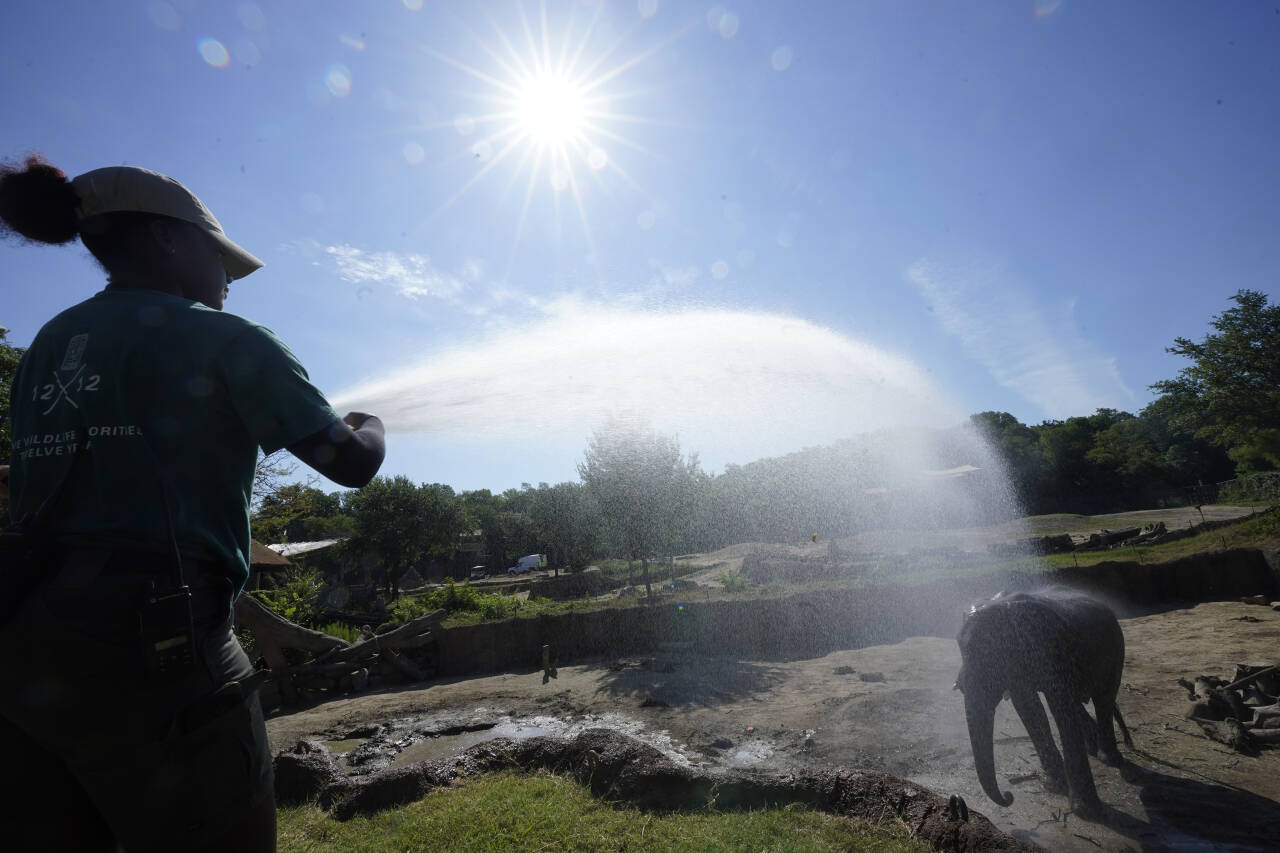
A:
[(640, 496)]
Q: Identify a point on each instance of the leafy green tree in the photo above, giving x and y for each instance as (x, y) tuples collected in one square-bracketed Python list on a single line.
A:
[(640, 481), (566, 520), (1234, 379), (443, 519), (514, 534), (1074, 482), (297, 512), (402, 523), (480, 510)]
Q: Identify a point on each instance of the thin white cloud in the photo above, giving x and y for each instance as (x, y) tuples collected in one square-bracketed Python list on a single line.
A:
[(410, 274), (672, 278), (415, 276), (1041, 357)]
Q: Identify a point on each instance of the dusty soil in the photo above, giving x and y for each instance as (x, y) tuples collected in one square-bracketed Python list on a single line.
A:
[(891, 708)]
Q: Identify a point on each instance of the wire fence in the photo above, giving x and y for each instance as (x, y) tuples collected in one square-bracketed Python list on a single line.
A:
[(1250, 489)]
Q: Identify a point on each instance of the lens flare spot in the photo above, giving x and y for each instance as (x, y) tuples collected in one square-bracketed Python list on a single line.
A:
[(597, 159), (338, 80), (1045, 8), (482, 150), (413, 153), (464, 124), (647, 8), (720, 270), (413, 5), (251, 17), (213, 52), (780, 59), (351, 41), (559, 180), (722, 22), (246, 52), (164, 16)]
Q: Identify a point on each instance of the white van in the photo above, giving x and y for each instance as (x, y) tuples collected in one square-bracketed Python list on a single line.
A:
[(527, 564)]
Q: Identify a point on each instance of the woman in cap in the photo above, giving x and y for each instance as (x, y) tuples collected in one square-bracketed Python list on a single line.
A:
[(137, 417)]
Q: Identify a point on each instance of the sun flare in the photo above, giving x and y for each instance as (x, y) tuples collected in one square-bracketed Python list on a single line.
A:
[(550, 112), (551, 109)]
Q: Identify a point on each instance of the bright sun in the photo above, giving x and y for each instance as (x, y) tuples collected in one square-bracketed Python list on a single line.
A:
[(551, 114), (551, 109)]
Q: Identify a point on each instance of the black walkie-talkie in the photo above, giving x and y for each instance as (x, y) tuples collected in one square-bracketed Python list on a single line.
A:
[(168, 632)]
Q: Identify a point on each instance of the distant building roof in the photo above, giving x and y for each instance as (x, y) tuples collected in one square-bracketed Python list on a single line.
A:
[(293, 549), (262, 556)]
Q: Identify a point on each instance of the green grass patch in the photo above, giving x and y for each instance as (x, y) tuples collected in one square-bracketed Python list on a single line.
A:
[(511, 811), (342, 631), (1257, 531), (466, 605)]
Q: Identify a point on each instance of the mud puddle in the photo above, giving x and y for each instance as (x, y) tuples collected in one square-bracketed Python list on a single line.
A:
[(400, 742)]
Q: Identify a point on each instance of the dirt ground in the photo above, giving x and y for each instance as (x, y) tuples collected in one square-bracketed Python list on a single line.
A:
[(891, 708)]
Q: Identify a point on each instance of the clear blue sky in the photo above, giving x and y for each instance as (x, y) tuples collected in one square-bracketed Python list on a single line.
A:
[(759, 225)]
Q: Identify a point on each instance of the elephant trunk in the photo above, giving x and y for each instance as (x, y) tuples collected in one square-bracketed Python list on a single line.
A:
[(980, 713)]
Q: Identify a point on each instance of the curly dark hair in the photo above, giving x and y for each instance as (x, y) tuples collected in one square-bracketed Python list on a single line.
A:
[(37, 201)]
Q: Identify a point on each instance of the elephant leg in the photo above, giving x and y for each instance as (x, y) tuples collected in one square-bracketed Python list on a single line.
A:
[(1104, 705), (1027, 704), (1089, 729), (1084, 796), (1128, 741)]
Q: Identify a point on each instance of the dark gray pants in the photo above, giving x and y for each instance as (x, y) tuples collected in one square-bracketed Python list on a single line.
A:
[(105, 755)]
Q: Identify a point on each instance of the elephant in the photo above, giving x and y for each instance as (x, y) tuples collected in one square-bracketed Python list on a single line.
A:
[(1054, 641)]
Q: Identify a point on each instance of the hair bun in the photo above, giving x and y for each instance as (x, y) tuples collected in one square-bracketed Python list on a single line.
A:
[(38, 202)]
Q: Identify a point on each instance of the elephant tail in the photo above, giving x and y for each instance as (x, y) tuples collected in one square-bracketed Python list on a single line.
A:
[(1124, 730)]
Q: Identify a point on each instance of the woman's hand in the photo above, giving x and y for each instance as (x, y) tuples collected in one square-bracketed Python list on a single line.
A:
[(355, 419)]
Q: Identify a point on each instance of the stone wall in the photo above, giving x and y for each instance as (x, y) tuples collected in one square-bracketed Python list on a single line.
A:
[(811, 624)]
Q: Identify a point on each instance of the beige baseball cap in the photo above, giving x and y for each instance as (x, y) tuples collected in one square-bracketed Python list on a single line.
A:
[(119, 189)]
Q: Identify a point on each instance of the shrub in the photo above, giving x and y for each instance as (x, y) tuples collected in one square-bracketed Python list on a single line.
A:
[(1253, 488), (295, 600), (454, 598), (732, 581)]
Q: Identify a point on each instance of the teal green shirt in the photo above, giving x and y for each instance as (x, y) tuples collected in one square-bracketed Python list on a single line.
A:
[(167, 391)]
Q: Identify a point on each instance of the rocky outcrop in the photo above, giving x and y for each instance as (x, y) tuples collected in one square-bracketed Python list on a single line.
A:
[(308, 771), (621, 769)]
